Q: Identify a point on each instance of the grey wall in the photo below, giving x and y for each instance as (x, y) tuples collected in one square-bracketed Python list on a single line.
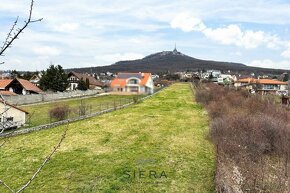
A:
[(46, 97)]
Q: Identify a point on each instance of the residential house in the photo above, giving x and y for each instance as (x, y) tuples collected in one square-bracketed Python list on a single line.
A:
[(35, 79), (19, 86), (74, 78), (263, 86), (140, 83), (225, 79), (11, 116)]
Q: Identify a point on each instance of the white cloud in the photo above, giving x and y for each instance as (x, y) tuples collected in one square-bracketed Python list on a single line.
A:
[(267, 63), (228, 35), (66, 27), (286, 53), (47, 51), (186, 22), (233, 35)]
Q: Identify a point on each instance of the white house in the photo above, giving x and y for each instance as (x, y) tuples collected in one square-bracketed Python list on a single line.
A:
[(11, 116), (140, 83), (74, 78), (225, 78)]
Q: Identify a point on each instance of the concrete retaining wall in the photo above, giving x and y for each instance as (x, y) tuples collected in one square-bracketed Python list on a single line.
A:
[(46, 97)]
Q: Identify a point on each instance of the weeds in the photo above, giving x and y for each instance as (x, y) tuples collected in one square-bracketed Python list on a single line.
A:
[(252, 134)]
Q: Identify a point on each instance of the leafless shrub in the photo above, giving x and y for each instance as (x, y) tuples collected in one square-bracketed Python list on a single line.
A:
[(250, 132), (59, 112)]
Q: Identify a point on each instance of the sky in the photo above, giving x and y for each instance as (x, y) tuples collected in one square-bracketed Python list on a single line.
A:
[(90, 33)]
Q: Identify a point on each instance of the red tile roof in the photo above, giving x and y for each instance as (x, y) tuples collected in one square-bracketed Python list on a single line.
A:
[(24, 83), (29, 86), (1, 101), (261, 81), (7, 93), (122, 77), (5, 82)]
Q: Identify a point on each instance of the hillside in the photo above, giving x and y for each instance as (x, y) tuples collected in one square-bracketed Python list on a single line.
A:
[(174, 61), (166, 134)]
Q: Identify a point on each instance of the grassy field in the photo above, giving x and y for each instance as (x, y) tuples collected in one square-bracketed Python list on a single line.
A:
[(162, 140), (40, 112)]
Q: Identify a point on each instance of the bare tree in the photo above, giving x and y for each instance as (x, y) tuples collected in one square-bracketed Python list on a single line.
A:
[(12, 35), (16, 31)]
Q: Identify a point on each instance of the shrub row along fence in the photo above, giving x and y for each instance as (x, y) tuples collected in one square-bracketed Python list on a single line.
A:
[(47, 97), (252, 138), (63, 114)]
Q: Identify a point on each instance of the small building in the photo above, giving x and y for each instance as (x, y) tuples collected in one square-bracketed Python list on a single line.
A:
[(11, 116), (139, 83), (74, 78), (225, 79), (35, 79), (19, 86)]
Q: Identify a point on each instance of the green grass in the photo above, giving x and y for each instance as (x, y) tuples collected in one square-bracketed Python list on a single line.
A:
[(39, 113), (166, 133)]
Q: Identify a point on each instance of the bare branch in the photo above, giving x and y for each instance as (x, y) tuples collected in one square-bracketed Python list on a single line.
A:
[(10, 39), (10, 32)]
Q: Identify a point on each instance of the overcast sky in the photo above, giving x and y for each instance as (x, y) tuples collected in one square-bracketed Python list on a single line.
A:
[(88, 33)]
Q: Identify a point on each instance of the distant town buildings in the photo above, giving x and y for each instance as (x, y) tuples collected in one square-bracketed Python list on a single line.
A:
[(140, 83)]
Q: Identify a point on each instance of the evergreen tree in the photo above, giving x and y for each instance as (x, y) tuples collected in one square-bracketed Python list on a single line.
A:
[(82, 85), (15, 74), (27, 75), (286, 77), (54, 78), (87, 83)]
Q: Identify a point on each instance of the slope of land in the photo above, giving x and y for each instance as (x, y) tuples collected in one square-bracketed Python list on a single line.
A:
[(174, 61), (164, 136)]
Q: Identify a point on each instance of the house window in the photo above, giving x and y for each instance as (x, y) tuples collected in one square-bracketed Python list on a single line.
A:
[(9, 119), (269, 87), (133, 81)]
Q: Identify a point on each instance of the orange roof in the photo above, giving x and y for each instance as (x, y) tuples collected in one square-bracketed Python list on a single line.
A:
[(5, 82), (122, 77), (261, 81), (7, 93), (269, 81), (25, 84), (1, 101), (28, 85)]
